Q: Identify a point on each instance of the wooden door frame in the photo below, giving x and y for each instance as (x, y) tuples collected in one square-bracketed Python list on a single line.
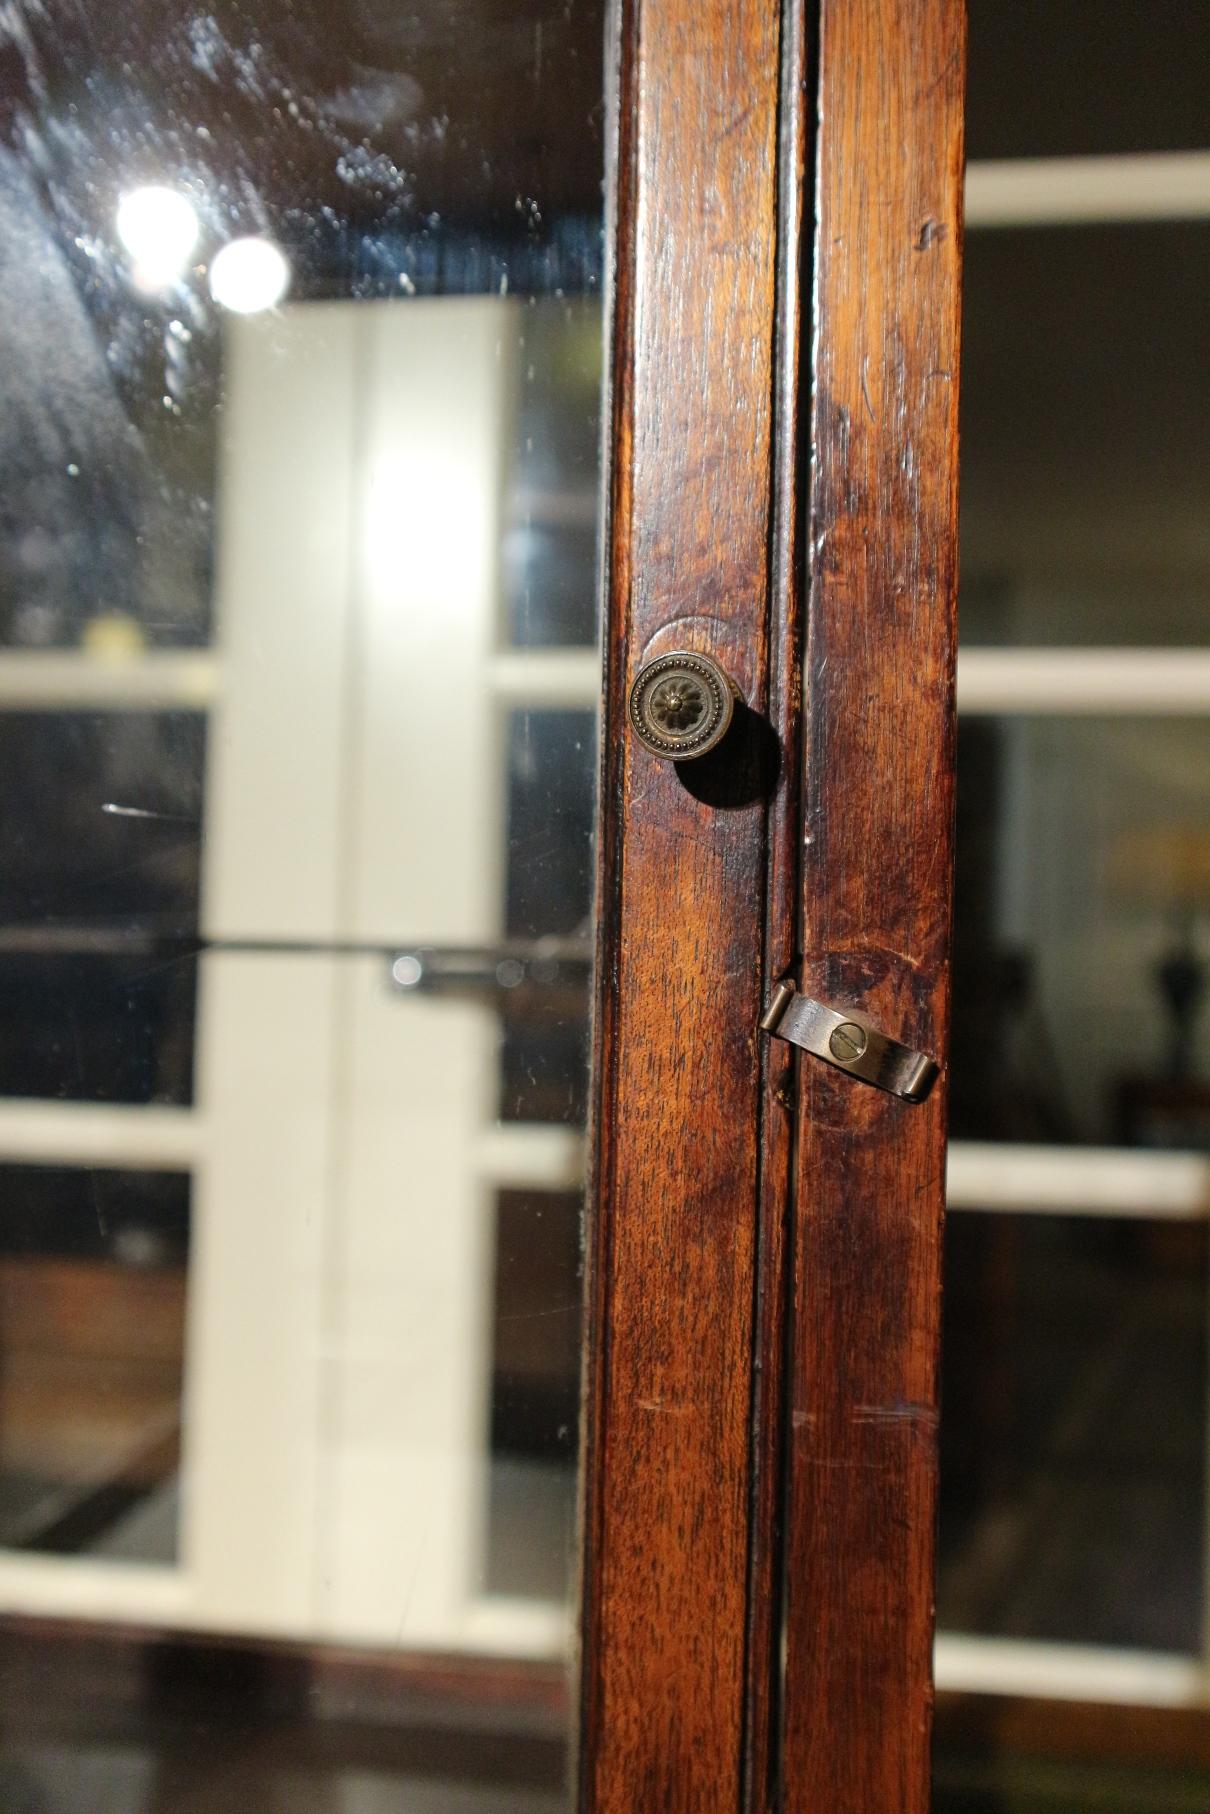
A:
[(672, 1261), (761, 1378), (877, 877)]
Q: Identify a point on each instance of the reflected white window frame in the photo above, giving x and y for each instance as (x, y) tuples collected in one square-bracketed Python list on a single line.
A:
[(414, 538), (1003, 1178), (982, 1177)]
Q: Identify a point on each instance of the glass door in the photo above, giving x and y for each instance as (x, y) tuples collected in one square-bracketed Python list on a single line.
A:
[(298, 705), (316, 321), (1073, 1529)]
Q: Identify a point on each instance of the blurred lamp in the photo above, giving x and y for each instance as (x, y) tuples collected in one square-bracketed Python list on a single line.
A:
[(249, 275), (159, 229), (1167, 867)]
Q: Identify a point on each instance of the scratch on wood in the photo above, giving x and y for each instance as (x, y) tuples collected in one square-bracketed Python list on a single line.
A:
[(865, 391), (734, 125), (923, 1416), (853, 1464)]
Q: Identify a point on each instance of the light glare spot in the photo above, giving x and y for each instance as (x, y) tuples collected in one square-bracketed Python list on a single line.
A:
[(249, 275), (159, 228), (407, 970)]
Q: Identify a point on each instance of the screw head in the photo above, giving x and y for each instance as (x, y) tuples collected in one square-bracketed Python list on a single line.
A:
[(848, 1041), (681, 705)]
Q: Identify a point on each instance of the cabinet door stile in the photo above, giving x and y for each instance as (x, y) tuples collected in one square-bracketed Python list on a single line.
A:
[(672, 1250), (877, 862)]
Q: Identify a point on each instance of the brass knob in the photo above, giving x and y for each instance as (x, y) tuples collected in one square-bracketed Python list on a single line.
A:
[(681, 705)]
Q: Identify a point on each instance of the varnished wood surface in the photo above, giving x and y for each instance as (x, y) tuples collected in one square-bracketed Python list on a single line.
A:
[(670, 1303), (877, 853)]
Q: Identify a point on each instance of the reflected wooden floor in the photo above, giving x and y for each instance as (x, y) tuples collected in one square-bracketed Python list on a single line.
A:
[(99, 1720)]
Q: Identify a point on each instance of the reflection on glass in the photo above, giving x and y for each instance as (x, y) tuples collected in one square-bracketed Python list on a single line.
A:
[(298, 678), (1081, 940), (1075, 1402), (249, 275), (101, 816), (536, 1366), (1134, 85), (1074, 1411), (159, 228), (92, 1314), (1085, 483)]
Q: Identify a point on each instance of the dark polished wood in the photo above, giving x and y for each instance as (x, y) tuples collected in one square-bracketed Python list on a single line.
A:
[(671, 1291), (877, 859)]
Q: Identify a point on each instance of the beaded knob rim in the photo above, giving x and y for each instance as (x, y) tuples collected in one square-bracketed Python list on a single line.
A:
[(704, 702)]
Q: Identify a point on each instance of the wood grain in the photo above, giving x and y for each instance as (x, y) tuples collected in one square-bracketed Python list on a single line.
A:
[(877, 860), (670, 1298)]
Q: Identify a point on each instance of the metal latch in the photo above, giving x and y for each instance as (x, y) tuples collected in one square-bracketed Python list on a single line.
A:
[(847, 1040)]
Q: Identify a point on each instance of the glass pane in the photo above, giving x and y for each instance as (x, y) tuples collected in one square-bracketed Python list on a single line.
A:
[(92, 1345), (1075, 1412), (298, 747), (536, 1365), (979, 1778), (82, 1026), (551, 772), (552, 500), (1085, 79), (100, 819), (1085, 482), (1083, 892), (544, 1009)]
